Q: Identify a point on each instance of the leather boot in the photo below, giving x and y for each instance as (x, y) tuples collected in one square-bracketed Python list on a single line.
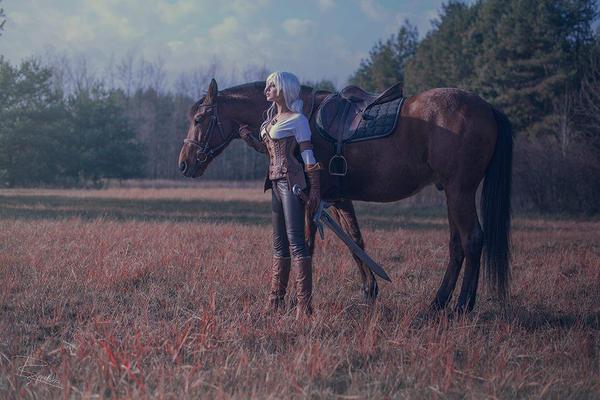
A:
[(280, 274), (303, 286)]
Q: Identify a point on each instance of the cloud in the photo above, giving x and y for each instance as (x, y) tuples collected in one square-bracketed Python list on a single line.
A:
[(372, 9), (231, 43), (175, 45), (298, 27), (172, 13), (19, 18), (106, 18), (76, 30), (246, 7), (325, 5), (190, 33), (226, 28)]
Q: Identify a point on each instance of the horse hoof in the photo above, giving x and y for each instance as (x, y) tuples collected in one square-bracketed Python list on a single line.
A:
[(460, 310), (424, 317), (435, 307)]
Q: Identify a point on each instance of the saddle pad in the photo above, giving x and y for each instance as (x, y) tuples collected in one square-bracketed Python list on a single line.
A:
[(377, 121)]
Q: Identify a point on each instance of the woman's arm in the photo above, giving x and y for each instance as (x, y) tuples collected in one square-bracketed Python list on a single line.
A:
[(306, 151), (303, 135), (311, 166), (250, 139)]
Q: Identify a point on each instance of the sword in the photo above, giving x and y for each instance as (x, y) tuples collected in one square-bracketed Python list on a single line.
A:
[(322, 217)]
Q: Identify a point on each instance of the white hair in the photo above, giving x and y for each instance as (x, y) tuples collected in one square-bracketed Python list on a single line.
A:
[(288, 84)]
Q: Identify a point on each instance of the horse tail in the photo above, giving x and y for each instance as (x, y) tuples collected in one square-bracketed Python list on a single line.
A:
[(495, 206)]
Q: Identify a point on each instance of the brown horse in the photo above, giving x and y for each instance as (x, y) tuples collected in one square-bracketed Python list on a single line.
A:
[(448, 137)]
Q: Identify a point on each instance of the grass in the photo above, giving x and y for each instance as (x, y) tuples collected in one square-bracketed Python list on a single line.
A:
[(160, 293)]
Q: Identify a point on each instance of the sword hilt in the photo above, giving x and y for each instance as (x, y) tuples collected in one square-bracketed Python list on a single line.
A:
[(317, 217), (323, 218), (298, 192)]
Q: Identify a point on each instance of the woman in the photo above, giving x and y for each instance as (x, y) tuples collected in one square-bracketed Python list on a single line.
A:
[(284, 133)]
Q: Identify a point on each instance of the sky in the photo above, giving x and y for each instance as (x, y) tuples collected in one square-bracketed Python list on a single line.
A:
[(315, 39)]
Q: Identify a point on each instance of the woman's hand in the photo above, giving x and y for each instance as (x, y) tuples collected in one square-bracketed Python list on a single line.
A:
[(245, 132), (247, 136)]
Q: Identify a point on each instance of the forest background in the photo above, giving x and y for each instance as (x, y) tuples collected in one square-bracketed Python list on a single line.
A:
[(539, 61)]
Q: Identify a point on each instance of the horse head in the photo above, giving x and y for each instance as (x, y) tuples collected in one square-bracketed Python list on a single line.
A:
[(209, 132)]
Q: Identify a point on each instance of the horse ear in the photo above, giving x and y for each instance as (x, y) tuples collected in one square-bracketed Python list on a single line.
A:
[(212, 90)]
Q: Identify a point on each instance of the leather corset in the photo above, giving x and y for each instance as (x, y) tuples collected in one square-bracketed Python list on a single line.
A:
[(283, 163)]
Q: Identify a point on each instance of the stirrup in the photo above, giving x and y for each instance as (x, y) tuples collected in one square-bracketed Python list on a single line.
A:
[(338, 165)]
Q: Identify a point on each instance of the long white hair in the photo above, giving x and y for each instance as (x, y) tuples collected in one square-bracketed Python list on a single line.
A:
[(288, 84)]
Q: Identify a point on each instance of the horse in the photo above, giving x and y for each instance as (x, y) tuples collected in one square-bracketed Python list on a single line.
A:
[(444, 136)]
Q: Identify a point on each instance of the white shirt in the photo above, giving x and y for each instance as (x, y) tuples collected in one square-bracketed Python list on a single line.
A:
[(297, 125)]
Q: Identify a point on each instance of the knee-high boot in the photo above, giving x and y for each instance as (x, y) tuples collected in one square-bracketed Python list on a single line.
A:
[(303, 286), (280, 274)]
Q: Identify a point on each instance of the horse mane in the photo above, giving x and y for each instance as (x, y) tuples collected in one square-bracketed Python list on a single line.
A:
[(243, 90), (239, 92), (236, 93)]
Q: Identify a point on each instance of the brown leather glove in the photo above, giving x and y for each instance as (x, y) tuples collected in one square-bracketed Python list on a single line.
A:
[(313, 171), (247, 136)]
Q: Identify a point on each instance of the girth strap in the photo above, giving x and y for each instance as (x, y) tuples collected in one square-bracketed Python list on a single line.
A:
[(337, 164)]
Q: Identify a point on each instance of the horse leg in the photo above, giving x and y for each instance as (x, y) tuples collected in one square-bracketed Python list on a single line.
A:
[(464, 213), (453, 270), (343, 211)]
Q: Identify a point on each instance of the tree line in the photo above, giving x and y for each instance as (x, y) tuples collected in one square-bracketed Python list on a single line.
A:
[(523, 56), (63, 123), (539, 62)]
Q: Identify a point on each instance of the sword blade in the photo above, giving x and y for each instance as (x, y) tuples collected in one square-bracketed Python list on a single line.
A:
[(360, 253)]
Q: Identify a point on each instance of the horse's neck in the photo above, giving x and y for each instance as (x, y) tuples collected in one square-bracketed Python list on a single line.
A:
[(247, 111)]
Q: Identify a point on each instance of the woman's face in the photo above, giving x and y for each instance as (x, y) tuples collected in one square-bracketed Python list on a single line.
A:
[(271, 92)]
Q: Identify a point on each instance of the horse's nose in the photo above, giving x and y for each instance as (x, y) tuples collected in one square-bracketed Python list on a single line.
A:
[(182, 167)]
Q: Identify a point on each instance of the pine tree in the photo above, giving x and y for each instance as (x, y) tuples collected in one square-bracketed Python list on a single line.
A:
[(106, 146), (323, 84), (34, 143), (529, 56), (445, 56), (386, 63), (2, 19), (523, 56)]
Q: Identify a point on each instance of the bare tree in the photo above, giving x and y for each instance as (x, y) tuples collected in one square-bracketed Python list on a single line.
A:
[(125, 73), (156, 75), (255, 73), (194, 83), (563, 119), (588, 104), (83, 76), (70, 74), (109, 76)]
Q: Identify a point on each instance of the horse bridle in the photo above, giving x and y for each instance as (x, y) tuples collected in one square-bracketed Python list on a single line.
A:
[(204, 153)]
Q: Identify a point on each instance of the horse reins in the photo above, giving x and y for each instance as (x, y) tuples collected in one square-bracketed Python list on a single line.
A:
[(204, 153)]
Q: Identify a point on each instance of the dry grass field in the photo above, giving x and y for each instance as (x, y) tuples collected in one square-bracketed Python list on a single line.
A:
[(137, 293)]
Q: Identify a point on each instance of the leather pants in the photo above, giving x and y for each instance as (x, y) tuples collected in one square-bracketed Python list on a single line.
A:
[(288, 222)]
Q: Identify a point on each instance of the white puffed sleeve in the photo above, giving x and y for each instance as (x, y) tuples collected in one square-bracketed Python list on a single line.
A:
[(302, 130), (303, 134)]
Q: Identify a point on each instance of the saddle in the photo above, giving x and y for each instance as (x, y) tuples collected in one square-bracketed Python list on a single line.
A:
[(354, 115)]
